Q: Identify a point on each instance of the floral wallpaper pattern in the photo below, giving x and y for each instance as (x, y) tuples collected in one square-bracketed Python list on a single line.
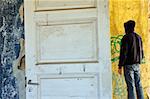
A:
[(11, 31)]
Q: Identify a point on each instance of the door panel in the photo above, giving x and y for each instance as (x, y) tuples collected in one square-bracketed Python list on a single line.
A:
[(63, 50), (63, 4), (79, 42), (72, 86)]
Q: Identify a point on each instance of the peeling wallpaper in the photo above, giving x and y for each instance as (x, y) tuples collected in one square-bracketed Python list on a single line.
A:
[(11, 49), (120, 12)]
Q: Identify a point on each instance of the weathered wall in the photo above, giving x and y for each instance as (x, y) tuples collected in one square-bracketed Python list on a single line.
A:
[(19, 63), (120, 12), (12, 85)]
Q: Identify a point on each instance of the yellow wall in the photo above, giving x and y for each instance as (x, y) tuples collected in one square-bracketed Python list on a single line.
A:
[(120, 12)]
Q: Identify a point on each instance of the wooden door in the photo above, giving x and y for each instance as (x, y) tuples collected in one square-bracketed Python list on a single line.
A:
[(67, 48)]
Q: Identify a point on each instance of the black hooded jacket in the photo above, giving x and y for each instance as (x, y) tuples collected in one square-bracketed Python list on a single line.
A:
[(131, 50)]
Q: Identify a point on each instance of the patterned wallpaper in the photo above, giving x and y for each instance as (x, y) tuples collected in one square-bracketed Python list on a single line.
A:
[(11, 49)]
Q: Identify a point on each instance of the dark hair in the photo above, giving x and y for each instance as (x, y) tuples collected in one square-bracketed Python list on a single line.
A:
[(129, 26)]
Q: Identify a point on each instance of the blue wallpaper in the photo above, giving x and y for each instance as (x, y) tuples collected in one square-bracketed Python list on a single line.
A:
[(11, 31)]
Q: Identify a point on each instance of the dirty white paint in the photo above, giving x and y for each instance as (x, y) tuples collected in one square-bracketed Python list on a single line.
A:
[(68, 51), (65, 4), (66, 86), (77, 46)]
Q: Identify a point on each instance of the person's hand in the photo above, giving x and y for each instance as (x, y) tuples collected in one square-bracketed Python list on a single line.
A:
[(120, 71)]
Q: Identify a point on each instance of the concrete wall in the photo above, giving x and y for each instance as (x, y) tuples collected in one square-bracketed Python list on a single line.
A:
[(120, 12)]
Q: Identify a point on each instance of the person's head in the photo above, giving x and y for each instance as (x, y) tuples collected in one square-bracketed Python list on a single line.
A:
[(129, 26)]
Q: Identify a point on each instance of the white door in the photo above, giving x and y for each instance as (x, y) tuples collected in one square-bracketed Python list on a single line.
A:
[(67, 49)]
